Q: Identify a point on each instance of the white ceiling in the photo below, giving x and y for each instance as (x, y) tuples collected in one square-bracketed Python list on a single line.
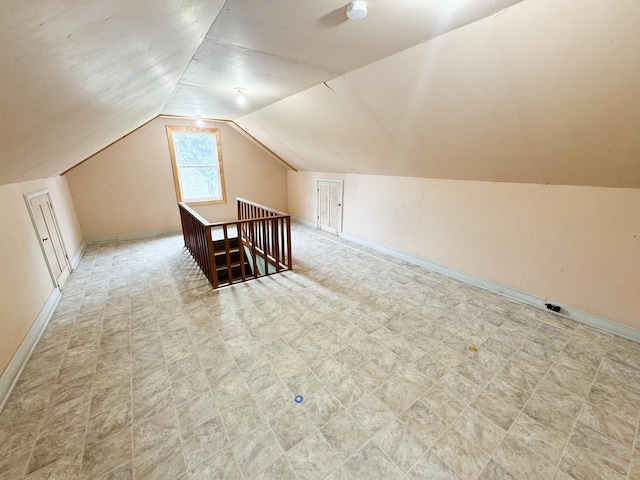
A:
[(277, 48), (524, 97), (77, 75)]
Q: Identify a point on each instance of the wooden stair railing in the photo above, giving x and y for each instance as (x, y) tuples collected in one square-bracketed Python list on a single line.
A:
[(262, 244)]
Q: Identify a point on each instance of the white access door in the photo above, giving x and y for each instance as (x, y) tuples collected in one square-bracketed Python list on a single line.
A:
[(329, 206), (48, 232)]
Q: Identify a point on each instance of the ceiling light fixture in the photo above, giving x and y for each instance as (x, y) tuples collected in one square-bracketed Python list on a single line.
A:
[(241, 99), (199, 121), (357, 10)]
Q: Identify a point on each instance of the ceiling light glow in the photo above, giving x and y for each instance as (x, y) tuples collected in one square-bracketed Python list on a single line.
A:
[(241, 99), (199, 121)]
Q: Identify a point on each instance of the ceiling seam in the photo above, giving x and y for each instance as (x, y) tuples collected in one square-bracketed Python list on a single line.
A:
[(271, 55), (193, 56)]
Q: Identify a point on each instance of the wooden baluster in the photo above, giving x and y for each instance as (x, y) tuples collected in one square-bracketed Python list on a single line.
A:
[(269, 225), (182, 222), (274, 241), (227, 252), (253, 249), (278, 246), (282, 244), (213, 276), (289, 260), (264, 246), (269, 249), (258, 234), (206, 250), (200, 237), (243, 274)]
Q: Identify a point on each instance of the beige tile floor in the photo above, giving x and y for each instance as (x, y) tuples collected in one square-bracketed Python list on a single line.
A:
[(144, 372)]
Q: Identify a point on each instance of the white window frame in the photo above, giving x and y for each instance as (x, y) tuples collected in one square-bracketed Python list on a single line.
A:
[(176, 168)]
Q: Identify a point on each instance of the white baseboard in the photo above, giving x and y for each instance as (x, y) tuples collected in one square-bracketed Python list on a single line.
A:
[(524, 297), (133, 236), (304, 222), (75, 261), (11, 374)]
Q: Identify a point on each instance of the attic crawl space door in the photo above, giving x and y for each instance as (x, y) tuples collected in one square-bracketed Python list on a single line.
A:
[(48, 232), (330, 205)]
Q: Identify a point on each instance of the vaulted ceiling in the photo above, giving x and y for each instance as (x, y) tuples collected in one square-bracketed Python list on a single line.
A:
[(404, 91)]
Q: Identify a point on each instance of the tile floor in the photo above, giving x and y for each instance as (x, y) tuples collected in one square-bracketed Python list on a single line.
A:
[(144, 372)]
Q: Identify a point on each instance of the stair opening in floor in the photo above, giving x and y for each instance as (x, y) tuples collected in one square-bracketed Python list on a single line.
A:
[(237, 263), (257, 244)]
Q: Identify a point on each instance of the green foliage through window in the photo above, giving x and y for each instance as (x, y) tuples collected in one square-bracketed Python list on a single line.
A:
[(195, 156), (195, 149)]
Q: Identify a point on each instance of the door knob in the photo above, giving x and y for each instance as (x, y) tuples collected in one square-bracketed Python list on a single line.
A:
[(45, 239)]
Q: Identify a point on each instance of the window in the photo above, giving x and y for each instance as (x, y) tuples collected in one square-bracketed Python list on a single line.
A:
[(197, 164)]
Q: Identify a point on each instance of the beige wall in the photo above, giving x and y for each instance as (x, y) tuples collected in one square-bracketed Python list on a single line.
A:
[(25, 283), (578, 246), (128, 188), (546, 92), (300, 190)]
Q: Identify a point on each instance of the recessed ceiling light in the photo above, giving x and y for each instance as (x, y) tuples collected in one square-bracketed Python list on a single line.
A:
[(357, 10)]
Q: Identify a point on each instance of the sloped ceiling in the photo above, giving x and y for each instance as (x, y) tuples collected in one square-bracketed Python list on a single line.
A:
[(276, 48), (547, 92), (535, 91), (77, 75)]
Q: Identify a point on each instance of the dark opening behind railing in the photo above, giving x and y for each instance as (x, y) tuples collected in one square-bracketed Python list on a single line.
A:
[(262, 245)]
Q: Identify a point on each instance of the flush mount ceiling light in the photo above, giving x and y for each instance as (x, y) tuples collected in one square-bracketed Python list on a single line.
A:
[(199, 121), (357, 10), (241, 99)]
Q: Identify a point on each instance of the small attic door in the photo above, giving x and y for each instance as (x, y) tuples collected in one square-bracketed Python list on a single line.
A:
[(330, 205), (49, 237)]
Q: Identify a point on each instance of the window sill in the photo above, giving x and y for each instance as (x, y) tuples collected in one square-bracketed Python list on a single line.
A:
[(204, 202)]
